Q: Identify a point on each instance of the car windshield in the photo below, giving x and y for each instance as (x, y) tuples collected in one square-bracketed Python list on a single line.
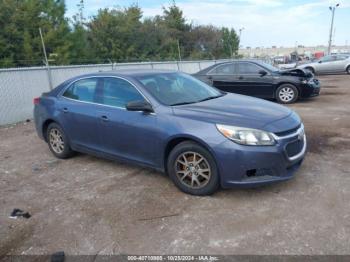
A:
[(178, 89)]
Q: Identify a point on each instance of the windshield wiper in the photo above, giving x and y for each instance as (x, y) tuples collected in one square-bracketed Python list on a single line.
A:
[(210, 97), (183, 103), (204, 99)]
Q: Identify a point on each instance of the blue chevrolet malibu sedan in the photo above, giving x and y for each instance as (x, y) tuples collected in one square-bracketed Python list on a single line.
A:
[(201, 137)]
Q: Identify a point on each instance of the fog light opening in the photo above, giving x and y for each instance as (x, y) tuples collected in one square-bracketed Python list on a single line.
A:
[(251, 172)]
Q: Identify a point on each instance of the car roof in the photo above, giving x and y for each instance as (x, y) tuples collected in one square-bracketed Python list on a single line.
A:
[(127, 72), (204, 71)]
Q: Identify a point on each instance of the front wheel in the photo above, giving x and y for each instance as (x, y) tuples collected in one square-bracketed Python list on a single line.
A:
[(287, 94), (348, 70), (193, 169)]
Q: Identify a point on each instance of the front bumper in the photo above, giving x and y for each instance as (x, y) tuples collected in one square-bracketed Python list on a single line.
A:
[(311, 89), (250, 166)]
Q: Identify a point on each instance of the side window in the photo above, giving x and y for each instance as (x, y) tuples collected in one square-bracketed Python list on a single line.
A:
[(82, 90), (248, 68), (329, 58), (225, 69), (341, 57), (118, 92)]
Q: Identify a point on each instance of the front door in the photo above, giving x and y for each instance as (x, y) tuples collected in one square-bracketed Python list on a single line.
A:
[(252, 83), (326, 64), (126, 134)]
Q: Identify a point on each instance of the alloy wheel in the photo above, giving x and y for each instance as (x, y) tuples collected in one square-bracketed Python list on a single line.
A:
[(192, 170), (286, 94), (56, 140)]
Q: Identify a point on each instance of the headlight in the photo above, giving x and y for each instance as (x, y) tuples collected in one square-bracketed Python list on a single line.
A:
[(246, 136)]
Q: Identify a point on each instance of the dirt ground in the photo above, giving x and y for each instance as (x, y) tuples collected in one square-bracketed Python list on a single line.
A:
[(87, 205)]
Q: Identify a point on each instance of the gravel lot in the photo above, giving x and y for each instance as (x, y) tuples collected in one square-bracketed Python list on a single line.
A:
[(87, 205)]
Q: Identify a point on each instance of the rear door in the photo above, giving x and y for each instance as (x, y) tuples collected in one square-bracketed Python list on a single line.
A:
[(223, 77), (340, 63), (78, 113), (252, 83)]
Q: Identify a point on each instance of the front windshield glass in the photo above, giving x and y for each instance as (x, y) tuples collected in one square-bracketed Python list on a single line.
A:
[(177, 88)]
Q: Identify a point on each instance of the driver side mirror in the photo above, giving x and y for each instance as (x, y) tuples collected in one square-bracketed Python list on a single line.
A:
[(142, 106), (262, 73), (320, 61)]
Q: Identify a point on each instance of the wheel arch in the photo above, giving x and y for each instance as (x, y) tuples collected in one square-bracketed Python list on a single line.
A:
[(312, 69), (174, 141), (347, 67), (46, 124)]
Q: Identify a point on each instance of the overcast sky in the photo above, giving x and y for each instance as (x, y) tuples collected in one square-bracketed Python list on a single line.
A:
[(265, 22)]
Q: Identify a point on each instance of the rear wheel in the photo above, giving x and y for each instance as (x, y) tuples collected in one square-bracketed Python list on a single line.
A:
[(193, 169), (287, 94), (58, 142), (348, 69)]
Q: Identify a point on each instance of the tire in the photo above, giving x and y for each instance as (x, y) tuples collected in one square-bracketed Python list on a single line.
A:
[(58, 142), (348, 70), (287, 94), (310, 69), (199, 178)]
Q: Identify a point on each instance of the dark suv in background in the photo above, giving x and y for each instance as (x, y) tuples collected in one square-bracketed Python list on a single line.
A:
[(259, 79)]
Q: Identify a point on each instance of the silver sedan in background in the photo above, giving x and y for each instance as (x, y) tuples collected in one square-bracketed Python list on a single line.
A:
[(329, 64)]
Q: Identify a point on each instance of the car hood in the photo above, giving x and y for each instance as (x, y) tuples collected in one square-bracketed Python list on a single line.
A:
[(243, 111), (298, 72)]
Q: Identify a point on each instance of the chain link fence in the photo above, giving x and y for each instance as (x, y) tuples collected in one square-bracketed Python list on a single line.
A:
[(18, 86)]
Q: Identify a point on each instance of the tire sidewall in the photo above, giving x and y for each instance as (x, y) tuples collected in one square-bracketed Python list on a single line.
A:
[(296, 94), (213, 183), (348, 70), (67, 152)]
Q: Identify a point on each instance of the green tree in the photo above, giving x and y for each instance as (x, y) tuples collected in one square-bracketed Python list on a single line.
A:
[(117, 34), (230, 42), (113, 34), (19, 34), (80, 49)]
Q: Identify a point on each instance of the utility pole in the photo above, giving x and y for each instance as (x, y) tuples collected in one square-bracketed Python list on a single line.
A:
[(332, 9), (231, 51), (240, 33), (178, 49), (46, 60)]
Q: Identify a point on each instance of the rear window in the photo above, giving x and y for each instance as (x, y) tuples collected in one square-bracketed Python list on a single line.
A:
[(248, 68), (225, 69), (82, 90)]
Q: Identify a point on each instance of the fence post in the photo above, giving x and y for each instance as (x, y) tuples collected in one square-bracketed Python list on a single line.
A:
[(178, 66), (46, 60), (111, 64), (199, 66)]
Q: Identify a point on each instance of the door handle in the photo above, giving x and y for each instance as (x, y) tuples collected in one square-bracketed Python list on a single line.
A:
[(210, 77), (240, 77), (104, 118), (65, 110)]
